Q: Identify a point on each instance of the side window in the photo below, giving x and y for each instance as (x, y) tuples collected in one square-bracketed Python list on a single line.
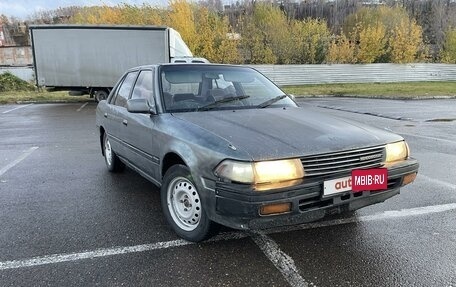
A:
[(144, 88), (124, 90)]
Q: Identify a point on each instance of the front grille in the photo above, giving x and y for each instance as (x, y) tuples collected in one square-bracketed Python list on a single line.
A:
[(344, 161)]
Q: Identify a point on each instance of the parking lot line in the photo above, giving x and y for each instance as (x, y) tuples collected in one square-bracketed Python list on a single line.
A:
[(83, 106), (282, 261), (103, 252), (68, 257), (16, 108), (18, 160)]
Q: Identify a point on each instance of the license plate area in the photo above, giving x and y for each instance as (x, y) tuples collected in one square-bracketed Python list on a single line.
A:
[(336, 186), (360, 180)]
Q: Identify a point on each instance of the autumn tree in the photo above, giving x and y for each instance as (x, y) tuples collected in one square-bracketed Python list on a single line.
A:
[(341, 50), (214, 38), (263, 32), (406, 42), (98, 15), (254, 45), (181, 17), (122, 14), (448, 54), (385, 34), (371, 43), (312, 38)]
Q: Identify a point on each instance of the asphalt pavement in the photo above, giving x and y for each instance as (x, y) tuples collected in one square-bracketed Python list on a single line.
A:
[(66, 221)]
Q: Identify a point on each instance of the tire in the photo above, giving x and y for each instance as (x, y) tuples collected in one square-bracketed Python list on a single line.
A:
[(112, 161), (182, 206), (100, 95)]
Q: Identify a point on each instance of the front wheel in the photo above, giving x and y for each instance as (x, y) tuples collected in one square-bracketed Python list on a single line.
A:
[(181, 204)]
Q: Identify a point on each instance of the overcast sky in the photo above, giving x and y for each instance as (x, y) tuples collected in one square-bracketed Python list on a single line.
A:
[(24, 8)]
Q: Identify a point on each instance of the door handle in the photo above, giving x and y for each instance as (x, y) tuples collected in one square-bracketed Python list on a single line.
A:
[(125, 122), (105, 115)]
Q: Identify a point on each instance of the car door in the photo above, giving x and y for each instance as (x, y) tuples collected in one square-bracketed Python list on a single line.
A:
[(117, 115), (141, 128)]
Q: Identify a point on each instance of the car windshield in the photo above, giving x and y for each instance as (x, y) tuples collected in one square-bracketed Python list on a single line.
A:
[(192, 88)]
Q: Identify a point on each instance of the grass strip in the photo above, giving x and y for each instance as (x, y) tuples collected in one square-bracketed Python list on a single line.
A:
[(388, 90), (393, 90), (42, 96)]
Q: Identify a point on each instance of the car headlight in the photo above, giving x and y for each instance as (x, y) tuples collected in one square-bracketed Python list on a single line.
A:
[(396, 151), (260, 172)]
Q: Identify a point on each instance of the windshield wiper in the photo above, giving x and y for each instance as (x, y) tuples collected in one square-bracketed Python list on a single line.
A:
[(222, 100), (271, 101)]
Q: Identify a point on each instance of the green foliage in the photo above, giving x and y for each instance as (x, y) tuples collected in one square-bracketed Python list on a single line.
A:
[(213, 42), (393, 90), (9, 82), (121, 14), (406, 42), (384, 34), (181, 17), (312, 38), (341, 50), (268, 37), (263, 34), (448, 54), (372, 43)]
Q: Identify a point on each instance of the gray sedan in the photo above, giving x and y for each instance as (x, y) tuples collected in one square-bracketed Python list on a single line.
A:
[(227, 146)]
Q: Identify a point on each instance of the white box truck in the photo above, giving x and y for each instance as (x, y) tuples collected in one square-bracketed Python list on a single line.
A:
[(88, 59)]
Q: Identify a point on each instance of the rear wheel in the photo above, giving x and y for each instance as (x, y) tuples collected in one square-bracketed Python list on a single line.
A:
[(112, 160), (100, 95), (182, 206)]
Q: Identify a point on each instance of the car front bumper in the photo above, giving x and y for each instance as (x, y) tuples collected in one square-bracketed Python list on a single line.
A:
[(238, 206)]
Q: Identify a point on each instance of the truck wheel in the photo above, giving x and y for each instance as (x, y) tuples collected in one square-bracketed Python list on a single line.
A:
[(181, 204), (100, 95), (112, 160)]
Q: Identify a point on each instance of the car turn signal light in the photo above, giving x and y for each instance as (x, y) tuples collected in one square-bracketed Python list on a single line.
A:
[(275, 208), (409, 178)]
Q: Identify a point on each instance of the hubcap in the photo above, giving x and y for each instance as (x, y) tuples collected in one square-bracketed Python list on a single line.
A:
[(184, 203), (108, 152)]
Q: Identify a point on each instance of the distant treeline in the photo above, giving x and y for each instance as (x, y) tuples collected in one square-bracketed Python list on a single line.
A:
[(306, 32)]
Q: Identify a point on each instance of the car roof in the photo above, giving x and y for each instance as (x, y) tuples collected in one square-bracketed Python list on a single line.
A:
[(145, 67)]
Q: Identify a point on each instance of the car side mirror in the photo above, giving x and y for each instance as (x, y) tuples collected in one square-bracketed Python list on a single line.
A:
[(140, 106)]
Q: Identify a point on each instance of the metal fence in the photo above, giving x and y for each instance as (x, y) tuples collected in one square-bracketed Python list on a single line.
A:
[(24, 73), (285, 75)]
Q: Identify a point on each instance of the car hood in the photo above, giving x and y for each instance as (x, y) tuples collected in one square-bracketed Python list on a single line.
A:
[(273, 133)]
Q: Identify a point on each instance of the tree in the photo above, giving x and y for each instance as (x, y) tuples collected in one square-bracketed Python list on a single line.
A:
[(341, 50), (264, 32), (448, 54), (121, 14), (213, 37), (256, 48), (181, 18), (406, 42), (371, 43), (312, 38), (385, 34)]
